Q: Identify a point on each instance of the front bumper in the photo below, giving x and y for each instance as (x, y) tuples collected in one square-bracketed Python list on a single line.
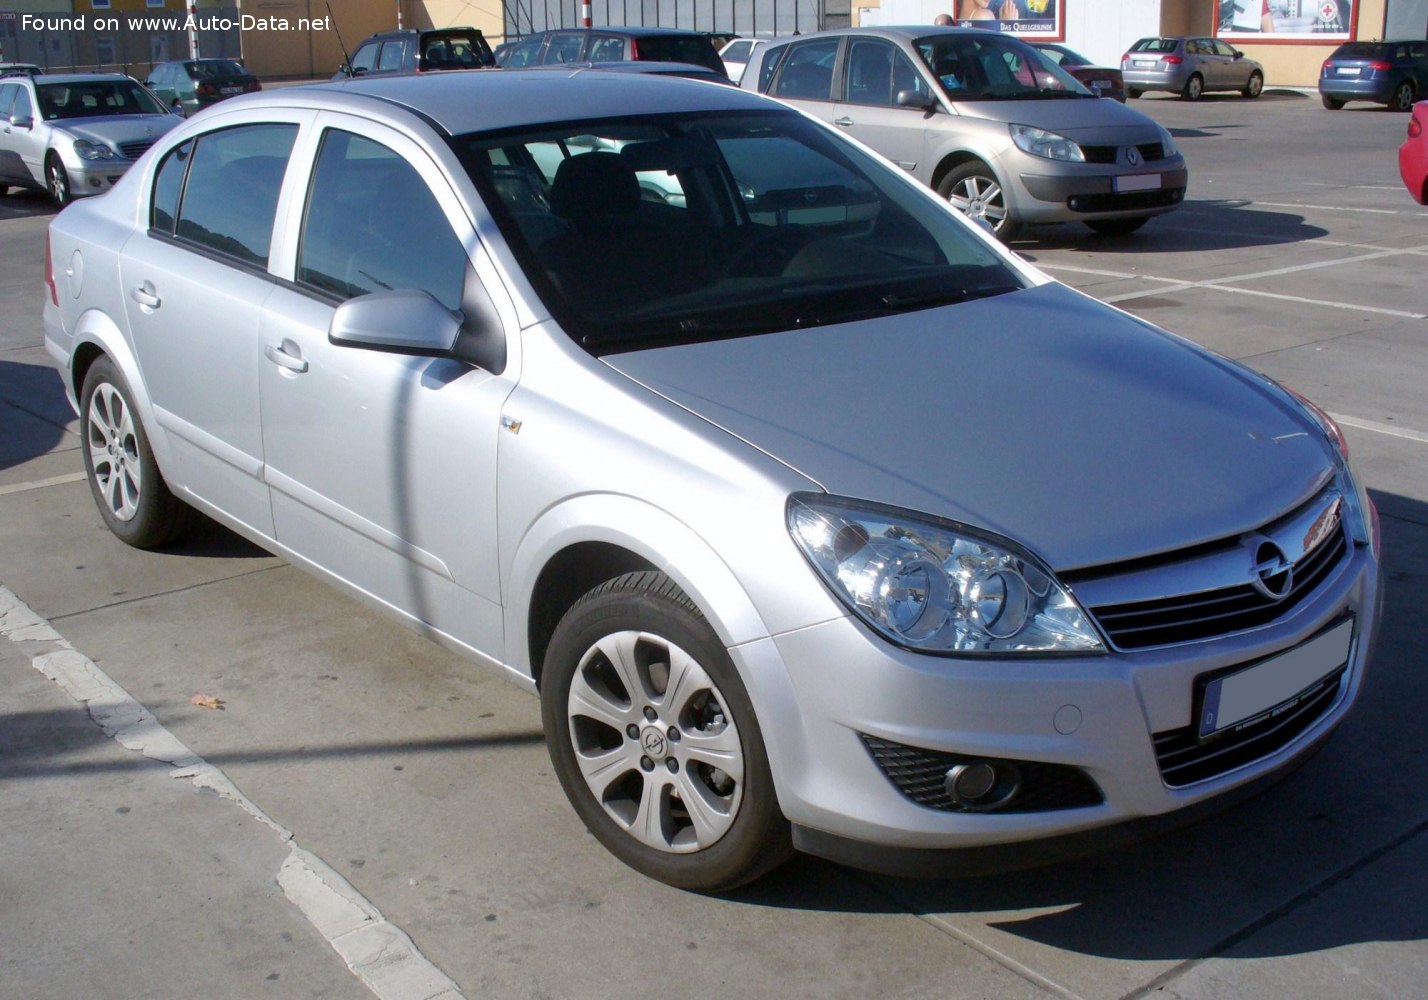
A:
[(1096, 715), (1089, 192), (88, 177)]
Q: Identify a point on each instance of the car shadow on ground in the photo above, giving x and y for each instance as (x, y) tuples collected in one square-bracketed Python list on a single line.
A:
[(1199, 224), (33, 410), (22, 202), (1358, 807)]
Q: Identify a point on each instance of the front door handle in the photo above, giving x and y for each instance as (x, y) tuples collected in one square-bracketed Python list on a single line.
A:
[(145, 296), (283, 358), (845, 121)]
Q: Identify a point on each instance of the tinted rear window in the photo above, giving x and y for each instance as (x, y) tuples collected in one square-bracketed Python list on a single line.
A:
[(1359, 50), (679, 48), (1156, 45)]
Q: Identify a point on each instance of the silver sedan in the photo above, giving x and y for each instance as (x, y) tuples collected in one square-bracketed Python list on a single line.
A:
[(816, 518)]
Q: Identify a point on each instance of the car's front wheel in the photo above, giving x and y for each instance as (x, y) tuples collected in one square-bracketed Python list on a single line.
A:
[(132, 496), (1255, 85), (1194, 87), (57, 180), (975, 191), (1132, 93), (654, 738)]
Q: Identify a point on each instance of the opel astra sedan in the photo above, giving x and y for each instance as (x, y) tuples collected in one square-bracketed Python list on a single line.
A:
[(991, 124), (816, 519)]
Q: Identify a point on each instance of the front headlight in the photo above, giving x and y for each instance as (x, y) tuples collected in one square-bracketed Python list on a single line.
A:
[(934, 586), (92, 150), (1167, 141), (1363, 515), (1039, 142)]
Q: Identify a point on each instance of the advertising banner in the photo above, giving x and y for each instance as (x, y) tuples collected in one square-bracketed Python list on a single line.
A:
[(1273, 20), (1027, 18)]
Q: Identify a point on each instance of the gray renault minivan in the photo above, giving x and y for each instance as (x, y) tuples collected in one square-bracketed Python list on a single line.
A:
[(987, 121)]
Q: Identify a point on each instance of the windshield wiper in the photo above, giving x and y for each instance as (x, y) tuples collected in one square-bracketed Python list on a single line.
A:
[(896, 302)]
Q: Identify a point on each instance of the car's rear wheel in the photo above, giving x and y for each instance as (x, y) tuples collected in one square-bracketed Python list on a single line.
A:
[(655, 740), (1255, 85), (1194, 87), (1330, 103), (57, 180), (1132, 93), (1403, 97), (123, 477), (975, 191), (1117, 227)]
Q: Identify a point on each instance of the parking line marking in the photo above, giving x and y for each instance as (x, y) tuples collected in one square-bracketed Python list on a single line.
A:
[(1331, 208), (1360, 423), (378, 952), (1400, 313), (39, 484)]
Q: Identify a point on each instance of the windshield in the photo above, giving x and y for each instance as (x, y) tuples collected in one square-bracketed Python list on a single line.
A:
[(978, 67), (95, 98), (676, 229)]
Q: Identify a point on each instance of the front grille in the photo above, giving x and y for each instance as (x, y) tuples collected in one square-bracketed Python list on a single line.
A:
[(1183, 760), (1187, 617), (1119, 202), (134, 150), (918, 774), (1149, 152)]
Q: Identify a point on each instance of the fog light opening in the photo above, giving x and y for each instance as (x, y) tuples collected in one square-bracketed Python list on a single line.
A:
[(982, 785)]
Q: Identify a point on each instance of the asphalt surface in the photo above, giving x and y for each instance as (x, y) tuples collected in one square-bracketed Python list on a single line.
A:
[(367, 813)]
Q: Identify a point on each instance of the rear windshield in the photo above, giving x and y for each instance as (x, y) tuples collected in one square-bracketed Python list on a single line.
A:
[(208, 69), (679, 48), (455, 50), (1156, 45), (1359, 50)]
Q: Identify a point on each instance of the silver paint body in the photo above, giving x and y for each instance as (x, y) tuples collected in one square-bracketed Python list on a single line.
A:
[(440, 492)]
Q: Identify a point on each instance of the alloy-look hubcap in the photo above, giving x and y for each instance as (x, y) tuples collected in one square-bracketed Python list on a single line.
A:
[(655, 742), (114, 451), (979, 198)]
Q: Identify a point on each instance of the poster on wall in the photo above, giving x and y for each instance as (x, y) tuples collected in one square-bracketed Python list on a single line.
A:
[(1271, 20), (1028, 18)]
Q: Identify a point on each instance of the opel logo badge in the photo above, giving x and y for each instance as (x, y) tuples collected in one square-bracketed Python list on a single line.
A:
[(1273, 574), (1133, 156), (653, 743)]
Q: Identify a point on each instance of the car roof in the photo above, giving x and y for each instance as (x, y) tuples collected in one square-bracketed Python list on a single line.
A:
[(632, 30), (83, 78), (460, 101)]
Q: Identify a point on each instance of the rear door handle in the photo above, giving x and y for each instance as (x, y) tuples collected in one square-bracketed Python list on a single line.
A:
[(144, 295), (844, 121), (282, 357)]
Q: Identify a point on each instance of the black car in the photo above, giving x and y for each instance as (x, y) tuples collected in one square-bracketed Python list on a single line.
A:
[(193, 84), (412, 51), (1392, 73), (614, 44)]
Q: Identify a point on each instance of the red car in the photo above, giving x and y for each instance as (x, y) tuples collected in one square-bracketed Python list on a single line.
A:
[(1103, 81), (1413, 154)]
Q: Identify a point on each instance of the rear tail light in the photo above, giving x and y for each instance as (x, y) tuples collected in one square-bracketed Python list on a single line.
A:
[(634, 48), (1415, 127), (205, 89), (252, 86), (1324, 67), (1380, 66), (50, 272), (1174, 60)]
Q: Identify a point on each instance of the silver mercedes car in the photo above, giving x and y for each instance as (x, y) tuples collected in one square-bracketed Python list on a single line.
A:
[(74, 134), (816, 519), (987, 121)]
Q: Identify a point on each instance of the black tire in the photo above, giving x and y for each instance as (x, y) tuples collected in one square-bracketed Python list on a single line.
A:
[(57, 180), (1117, 227), (1254, 86), (974, 189), (124, 479), (646, 614), (1331, 103), (4, 190), (1194, 87), (1132, 93), (1403, 97)]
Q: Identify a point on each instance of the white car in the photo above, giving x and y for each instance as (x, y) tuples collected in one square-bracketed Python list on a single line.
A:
[(737, 55)]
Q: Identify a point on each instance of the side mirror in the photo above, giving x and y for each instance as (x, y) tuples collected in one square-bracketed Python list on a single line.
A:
[(22, 121), (1239, 54), (916, 99), (177, 109), (405, 321)]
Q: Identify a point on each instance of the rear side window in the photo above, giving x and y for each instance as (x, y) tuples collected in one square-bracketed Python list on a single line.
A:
[(231, 196), (372, 224), (606, 48), (168, 186), (694, 49), (564, 48)]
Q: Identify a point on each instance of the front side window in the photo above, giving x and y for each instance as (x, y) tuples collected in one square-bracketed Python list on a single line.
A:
[(373, 225), (95, 98), (807, 71), (564, 48), (779, 225), (22, 108), (524, 53), (230, 198), (364, 60)]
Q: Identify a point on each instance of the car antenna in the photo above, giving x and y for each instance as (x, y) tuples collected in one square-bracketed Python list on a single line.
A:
[(346, 59)]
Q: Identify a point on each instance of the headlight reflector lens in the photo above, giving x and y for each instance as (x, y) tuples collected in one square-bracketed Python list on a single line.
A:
[(92, 150), (1051, 145), (934, 586)]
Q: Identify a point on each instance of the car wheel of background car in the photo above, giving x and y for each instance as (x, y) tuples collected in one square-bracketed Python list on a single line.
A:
[(975, 191), (1117, 227), (123, 476), (57, 179), (1330, 103), (1255, 86), (1403, 97), (654, 738), (4, 190), (1132, 93), (1194, 87)]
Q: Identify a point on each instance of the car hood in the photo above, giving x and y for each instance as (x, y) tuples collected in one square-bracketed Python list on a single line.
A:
[(1084, 119), (115, 129), (1082, 433)]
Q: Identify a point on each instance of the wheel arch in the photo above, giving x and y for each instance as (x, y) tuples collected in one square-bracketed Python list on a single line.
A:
[(951, 161), (97, 336), (586, 540)]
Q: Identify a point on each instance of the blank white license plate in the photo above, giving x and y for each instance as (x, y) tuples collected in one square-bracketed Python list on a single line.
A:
[(1136, 182), (1275, 683), (230, 90), (1145, 62), (1347, 71), (1100, 85)]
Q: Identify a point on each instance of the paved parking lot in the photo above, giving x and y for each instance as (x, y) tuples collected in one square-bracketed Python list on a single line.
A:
[(364, 802)]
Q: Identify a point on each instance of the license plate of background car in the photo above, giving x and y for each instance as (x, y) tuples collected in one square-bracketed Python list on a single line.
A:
[(1136, 182), (1274, 684), (231, 90), (1145, 62), (1348, 71)]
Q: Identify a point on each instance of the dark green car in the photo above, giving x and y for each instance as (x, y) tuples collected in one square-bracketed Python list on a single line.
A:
[(193, 84)]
